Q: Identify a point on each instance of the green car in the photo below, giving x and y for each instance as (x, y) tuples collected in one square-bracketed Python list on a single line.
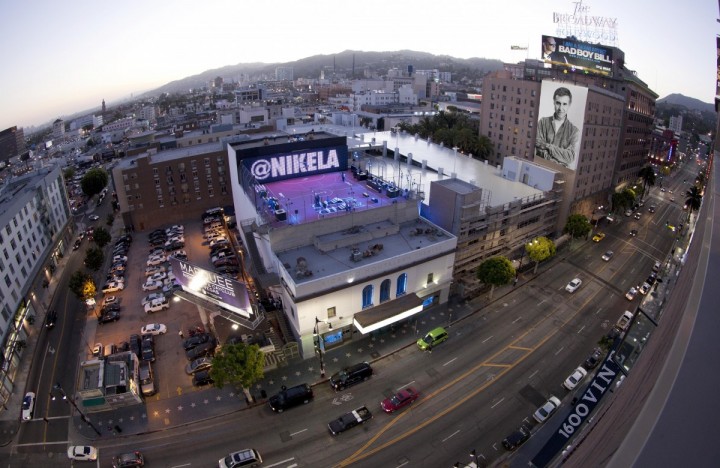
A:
[(433, 338)]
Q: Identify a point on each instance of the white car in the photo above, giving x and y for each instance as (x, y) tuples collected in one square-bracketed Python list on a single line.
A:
[(546, 410), (573, 285), (608, 255), (82, 453), (109, 300), (645, 288), (156, 260), (153, 329), (151, 270), (151, 285), (94, 217), (28, 406), (113, 286), (219, 241), (157, 305), (119, 258), (151, 297), (630, 295), (159, 276), (575, 378)]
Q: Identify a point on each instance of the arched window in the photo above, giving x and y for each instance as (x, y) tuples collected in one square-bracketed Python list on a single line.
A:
[(401, 285), (367, 296), (385, 291)]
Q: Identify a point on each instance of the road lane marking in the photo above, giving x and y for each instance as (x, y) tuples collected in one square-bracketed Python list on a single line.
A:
[(405, 386), (487, 339), (499, 401), (298, 432), (451, 436), (449, 362), (517, 320), (581, 329), (281, 462), (532, 375), (559, 350)]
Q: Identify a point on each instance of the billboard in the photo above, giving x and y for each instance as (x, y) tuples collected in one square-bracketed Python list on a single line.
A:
[(221, 290), (560, 122), (577, 55)]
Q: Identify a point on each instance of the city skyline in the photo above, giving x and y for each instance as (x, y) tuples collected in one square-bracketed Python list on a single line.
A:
[(66, 58)]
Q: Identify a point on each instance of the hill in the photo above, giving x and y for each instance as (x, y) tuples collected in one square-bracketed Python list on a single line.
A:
[(698, 117), (341, 63), (687, 102)]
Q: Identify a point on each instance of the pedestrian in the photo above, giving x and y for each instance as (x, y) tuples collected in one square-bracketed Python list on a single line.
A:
[(181, 334), (515, 282)]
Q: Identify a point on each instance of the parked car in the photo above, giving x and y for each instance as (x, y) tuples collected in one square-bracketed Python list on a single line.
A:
[(547, 409), (82, 453), (151, 285), (109, 316), (135, 345), (516, 438), (147, 378), (199, 364), (93, 217), (575, 378), (289, 397), (158, 276), (196, 340), (593, 360), (77, 243), (113, 286), (151, 297), (400, 400), (153, 329), (202, 378), (644, 288), (156, 260), (632, 292), (148, 348), (28, 406), (156, 305), (205, 349)]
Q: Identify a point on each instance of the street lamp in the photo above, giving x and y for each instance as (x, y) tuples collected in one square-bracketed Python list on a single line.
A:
[(58, 387), (319, 343)]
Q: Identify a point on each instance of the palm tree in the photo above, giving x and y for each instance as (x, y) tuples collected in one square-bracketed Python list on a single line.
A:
[(647, 174), (693, 201)]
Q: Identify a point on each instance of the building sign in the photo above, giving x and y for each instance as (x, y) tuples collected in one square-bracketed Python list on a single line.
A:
[(577, 55), (282, 166), (585, 405), (221, 290), (717, 86), (299, 163), (583, 25)]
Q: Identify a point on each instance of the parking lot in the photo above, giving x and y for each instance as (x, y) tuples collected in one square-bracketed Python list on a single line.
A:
[(169, 366)]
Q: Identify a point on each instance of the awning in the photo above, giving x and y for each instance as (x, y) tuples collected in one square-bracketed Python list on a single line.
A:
[(387, 313)]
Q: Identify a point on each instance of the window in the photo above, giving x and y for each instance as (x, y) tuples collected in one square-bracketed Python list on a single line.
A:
[(367, 296), (331, 312), (429, 278), (385, 291), (401, 285)]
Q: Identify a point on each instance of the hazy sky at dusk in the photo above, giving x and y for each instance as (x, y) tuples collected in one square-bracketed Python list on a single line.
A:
[(63, 57)]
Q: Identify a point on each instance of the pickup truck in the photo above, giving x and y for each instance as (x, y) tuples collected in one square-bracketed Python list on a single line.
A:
[(349, 420), (624, 321)]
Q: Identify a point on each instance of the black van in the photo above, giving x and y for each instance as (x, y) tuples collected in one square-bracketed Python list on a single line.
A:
[(289, 397), (351, 375)]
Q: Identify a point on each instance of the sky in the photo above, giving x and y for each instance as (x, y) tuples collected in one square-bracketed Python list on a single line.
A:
[(59, 58)]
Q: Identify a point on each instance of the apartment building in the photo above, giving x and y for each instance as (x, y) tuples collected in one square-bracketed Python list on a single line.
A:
[(34, 235)]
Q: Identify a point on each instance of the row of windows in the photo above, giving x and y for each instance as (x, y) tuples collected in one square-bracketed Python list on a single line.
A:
[(400, 289)]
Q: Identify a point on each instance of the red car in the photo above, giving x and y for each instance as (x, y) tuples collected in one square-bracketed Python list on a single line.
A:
[(399, 400)]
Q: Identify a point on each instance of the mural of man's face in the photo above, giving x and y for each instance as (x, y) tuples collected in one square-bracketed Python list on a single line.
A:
[(562, 104)]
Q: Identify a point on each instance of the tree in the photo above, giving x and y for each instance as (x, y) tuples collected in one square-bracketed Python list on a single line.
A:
[(82, 285), (539, 250), (101, 237), (238, 364), (577, 226), (693, 201), (496, 271), (69, 173), (94, 258), (647, 174), (94, 181)]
